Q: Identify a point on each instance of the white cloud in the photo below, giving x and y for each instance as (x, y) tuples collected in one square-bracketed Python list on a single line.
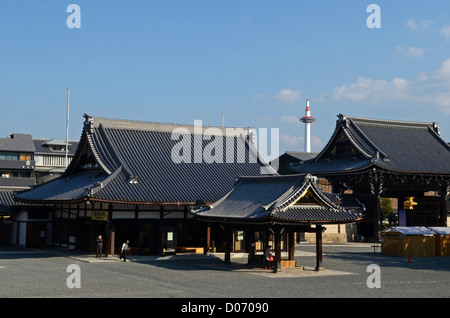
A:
[(288, 95), (443, 100), (411, 51), (290, 119), (259, 96), (445, 31), (316, 142), (367, 88), (443, 73), (413, 25), (428, 87), (298, 141), (291, 140)]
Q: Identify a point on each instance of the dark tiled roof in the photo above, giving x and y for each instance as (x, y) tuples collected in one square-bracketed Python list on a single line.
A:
[(42, 146), (8, 204), (136, 163), (6, 197), (315, 214), (395, 146), (271, 198), (300, 155), (6, 201), (332, 165), (17, 143), (71, 188), (292, 157)]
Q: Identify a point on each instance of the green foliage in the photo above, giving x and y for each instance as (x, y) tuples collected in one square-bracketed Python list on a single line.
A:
[(386, 205)]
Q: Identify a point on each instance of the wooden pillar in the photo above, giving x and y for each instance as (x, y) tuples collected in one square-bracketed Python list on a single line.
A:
[(443, 207), (291, 242), (319, 230), (277, 249), (252, 246), (141, 229), (207, 243), (78, 239), (161, 231), (228, 242), (111, 231), (112, 238), (68, 227), (376, 217), (92, 236), (141, 238)]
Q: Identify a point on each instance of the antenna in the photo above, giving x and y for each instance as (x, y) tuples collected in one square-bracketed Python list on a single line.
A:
[(222, 120), (67, 126)]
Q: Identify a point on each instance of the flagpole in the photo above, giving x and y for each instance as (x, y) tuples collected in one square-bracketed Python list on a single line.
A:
[(67, 126)]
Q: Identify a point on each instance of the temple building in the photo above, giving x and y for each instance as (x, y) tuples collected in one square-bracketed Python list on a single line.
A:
[(138, 181), (280, 205), (372, 159)]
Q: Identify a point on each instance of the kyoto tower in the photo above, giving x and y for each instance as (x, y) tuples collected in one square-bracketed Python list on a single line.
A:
[(307, 120)]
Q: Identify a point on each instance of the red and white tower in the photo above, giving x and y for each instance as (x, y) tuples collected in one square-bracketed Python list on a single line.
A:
[(307, 120)]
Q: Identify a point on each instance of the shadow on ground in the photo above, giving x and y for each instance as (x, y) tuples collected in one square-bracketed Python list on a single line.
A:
[(437, 263)]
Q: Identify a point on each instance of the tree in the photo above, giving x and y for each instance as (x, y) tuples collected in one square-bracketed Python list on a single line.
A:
[(386, 206)]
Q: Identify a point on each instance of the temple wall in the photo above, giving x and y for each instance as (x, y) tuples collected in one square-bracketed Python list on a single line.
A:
[(335, 233)]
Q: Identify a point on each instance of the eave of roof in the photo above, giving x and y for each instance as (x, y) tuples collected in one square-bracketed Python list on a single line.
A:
[(72, 189), (270, 199), (315, 215)]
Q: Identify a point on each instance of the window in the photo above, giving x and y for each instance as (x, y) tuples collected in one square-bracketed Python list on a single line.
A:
[(25, 156), (12, 156), (57, 148), (15, 174), (15, 156)]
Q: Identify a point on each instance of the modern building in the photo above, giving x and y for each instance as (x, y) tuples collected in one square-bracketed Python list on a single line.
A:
[(16, 162), (51, 159), (25, 162)]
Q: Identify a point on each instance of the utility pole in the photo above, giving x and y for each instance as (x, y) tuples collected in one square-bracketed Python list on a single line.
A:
[(67, 128)]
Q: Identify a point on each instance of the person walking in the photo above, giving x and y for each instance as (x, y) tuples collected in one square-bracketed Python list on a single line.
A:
[(124, 251), (99, 246), (268, 257)]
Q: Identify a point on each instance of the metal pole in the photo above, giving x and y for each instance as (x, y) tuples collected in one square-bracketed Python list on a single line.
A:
[(67, 127), (319, 230)]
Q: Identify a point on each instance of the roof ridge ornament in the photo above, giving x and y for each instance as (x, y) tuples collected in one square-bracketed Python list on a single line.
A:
[(436, 128), (133, 179), (343, 120), (88, 122)]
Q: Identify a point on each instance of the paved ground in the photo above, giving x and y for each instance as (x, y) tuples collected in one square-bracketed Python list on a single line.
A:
[(347, 271)]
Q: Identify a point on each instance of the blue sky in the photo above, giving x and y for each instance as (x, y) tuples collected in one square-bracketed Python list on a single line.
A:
[(255, 61)]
